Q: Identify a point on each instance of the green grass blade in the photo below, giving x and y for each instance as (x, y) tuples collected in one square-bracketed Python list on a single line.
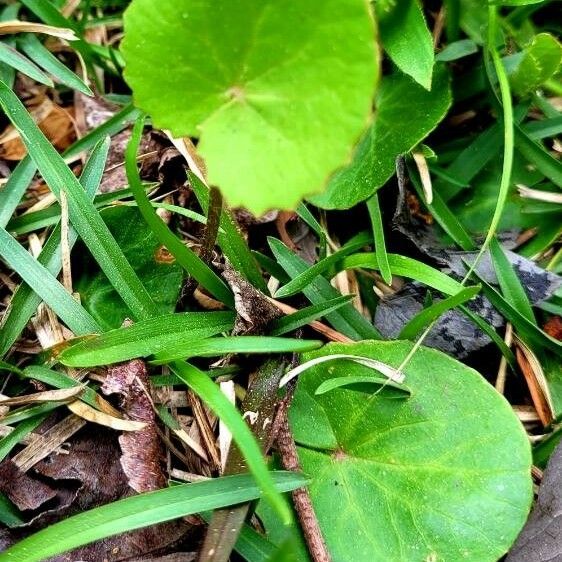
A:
[(378, 232), (186, 257), (308, 314), (211, 347), (219, 404), (347, 319), (230, 240), (11, 57), (509, 282), (12, 192), (433, 312), (147, 337), (301, 281), (42, 57), (25, 301), (45, 285), (83, 215), (141, 511), (23, 429)]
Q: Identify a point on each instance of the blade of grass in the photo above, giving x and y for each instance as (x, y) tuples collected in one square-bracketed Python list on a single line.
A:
[(46, 286), (306, 315), (12, 192), (231, 240), (83, 215), (140, 511), (147, 337), (347, 319), (11, 57), (211, 347), (25, 301), (186, 257), (378, 233), (433, 312), (211, 394), (509, 282), (39, 54), (23, 429)]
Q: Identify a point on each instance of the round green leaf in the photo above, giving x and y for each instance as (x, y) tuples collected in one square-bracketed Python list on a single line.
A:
[(277, 91), (406, 114), (443, 476)]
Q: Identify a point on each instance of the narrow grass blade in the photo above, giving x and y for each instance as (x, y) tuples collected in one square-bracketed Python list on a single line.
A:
[(433, 312), (378, 233), (307, 315), (300, 282), (25, 301), (82, 213), (13, 58), (231, 240), (23, 429), (12, 192), (141, 511), (365, 384), (144, 338), (45, 285), (347, 319), (211, 347), (186, 257), (509, 282), (39, 54), (211, 394)]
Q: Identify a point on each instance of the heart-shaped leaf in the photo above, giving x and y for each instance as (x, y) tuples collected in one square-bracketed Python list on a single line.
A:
[(277, 91), (443, 475), (406, 114)]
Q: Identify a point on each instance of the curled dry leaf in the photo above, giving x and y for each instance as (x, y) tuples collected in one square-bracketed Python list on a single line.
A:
[(17, 26), (95, 416), (141, 457), (60, 395)]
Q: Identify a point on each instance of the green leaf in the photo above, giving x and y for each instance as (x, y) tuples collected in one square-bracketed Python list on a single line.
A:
[(160, 277), (84, 217), (185, 256), (406, 39), (457, 50), (35, 50), (211, 347), (539, 62), (444, 475), (509, 282), (433, 312), (140, 511), (147, 337), (406, 114), (251, 79), (219, 404), (378, 233), (347, 319), (15, 187), (11, 57), (363, 383), (45, 285), (25, 301)]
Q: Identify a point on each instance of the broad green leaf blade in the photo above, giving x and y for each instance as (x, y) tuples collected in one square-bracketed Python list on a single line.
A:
[(141, 511), (186, 257), (144, 338), (159, 274), (540, 60), (443, 475), (254, 102), (13, 58), (406, 39), (211, 347), (433, 312), (25, 301), (83, 216), (308, 314), (211, 394), (12, 192), (406, 114), (35, 50), (509, 283), (45, 285)]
